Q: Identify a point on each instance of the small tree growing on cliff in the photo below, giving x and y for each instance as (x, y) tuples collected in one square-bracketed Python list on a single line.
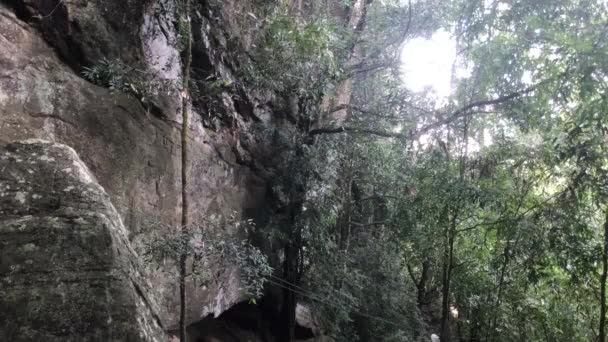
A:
[(205, 243)]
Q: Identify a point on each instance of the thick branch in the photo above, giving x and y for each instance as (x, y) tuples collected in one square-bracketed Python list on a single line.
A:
[(364, 67), (342, 129), (360, 24), (465, 110), (410, 271), (359, 224), (457, 114), (381, 64), (351, 107)]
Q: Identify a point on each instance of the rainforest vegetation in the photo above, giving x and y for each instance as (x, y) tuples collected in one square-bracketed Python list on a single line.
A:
[(481, 216)]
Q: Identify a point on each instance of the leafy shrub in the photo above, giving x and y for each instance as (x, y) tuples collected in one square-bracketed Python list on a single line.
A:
[(206, 244), (294, 56), (109, 73), (117, 76)]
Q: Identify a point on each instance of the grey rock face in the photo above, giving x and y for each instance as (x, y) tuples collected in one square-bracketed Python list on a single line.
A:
[(84, 31), (132, 154), (67, 270), (132, 151)]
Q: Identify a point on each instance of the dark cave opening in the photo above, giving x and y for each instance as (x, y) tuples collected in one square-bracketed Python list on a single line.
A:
[(244, 321)]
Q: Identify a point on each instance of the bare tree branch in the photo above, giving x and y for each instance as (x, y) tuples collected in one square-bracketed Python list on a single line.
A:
[(380, 64), (343, 129), (465, 110), (352, 107), (365, 67), (457, 114)]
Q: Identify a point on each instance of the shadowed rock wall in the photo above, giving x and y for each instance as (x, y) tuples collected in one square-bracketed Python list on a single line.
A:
[(67, 269), (131, 146), (133, 153)]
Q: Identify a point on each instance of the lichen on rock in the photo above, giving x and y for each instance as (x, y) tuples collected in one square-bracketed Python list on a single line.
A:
[(67, 270)]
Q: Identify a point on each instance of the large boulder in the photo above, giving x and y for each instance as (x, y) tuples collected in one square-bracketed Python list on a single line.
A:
[(67, 270)]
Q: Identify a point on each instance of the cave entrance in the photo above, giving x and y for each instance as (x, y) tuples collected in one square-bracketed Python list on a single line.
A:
[(244, 321)]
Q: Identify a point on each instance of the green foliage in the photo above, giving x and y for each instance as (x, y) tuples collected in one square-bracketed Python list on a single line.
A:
[(209, 249), (357, 275), (111, 74), (209, 95), (117, 76), (524, 212), (294, 56), (517, 220), (183, 34)]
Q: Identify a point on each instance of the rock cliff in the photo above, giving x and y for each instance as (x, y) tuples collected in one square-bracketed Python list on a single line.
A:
[(132, 146), (67, 269), (129, 148)]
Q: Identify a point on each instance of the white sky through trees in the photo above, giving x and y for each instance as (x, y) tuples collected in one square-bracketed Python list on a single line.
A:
[(427, 63)]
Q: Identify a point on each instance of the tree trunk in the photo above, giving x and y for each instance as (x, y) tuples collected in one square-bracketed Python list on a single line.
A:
[(501, 281), (475, 332), (289, 297), (182, 298), (357, 20), (445, 290), (184, 164), (421, 286), (421, 292), (450, 237), (602, 327)]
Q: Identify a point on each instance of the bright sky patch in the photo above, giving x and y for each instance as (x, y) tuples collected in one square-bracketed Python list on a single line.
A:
[(427, 63)]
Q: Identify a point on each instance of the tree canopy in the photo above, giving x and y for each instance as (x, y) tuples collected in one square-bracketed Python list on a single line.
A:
[(484, 218)]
